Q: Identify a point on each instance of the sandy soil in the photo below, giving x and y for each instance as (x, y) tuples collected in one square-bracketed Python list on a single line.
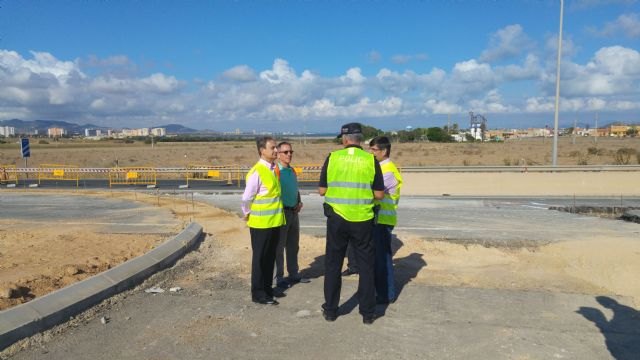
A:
[(534, 151), (40, 261)]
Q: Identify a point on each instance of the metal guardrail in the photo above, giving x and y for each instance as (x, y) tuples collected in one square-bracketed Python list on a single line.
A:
[(313, 171)]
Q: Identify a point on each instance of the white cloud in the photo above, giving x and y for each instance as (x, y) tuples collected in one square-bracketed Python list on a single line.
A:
[(240, 73), (442, 107), (613, 70), (626, 24), (281, 72), (404, 59), (43, 86), (528, 71), (507, 42)]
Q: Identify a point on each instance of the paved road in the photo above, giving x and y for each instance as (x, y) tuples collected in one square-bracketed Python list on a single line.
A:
[(113, 215), (508, 221), (214, 318)]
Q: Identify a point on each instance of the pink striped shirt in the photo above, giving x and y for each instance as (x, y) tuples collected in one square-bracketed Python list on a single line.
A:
[(254, 187)]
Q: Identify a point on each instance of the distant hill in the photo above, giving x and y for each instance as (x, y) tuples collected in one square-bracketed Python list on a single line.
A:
[(29, 127), (178, 129)]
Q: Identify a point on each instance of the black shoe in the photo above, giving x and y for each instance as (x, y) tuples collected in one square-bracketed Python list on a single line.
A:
[(283, 284), (278, 292), (297, 280), (368, 319), (349, 272), (266, 301), (329, 316), (385, 301)]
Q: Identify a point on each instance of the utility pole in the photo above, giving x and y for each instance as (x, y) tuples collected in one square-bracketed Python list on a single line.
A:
[(595, 139), (555, 122), (575, 123)]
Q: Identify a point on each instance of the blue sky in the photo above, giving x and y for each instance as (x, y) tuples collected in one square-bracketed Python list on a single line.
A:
[(296, 65)]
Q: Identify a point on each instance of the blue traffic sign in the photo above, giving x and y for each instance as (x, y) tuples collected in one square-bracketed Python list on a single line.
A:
[(26, 152)]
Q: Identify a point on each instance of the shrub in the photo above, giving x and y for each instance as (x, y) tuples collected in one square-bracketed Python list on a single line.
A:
[(575, 153), (623, 156), (43, 142), (507, 162), (595, 151), (583, 160)]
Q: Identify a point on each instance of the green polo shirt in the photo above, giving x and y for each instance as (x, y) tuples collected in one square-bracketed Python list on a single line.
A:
[(289, 185)]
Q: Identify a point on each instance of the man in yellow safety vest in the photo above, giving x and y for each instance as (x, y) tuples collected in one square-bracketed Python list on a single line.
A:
[(380, 147), (262, 208), (350, 180)]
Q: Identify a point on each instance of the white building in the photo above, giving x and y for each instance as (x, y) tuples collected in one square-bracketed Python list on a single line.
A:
[(7, 131), (56, 132), (159, 132)]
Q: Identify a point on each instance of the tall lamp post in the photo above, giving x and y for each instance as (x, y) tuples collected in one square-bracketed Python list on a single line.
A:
[(555, 118)]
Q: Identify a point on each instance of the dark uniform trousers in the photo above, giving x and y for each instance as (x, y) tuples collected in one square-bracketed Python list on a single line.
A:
[(341, 233), (263, 244)]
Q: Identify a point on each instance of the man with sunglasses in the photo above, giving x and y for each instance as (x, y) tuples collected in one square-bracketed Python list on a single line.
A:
[(380, 147), (289, 241)]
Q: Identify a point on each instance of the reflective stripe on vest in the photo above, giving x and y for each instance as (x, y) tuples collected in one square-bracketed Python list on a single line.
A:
[(266, 209), (387, 214), (350, 174)]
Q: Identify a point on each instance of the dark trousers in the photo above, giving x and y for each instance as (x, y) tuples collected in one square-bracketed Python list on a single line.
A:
[(288, 246), (340, 233), (263, 245), (352, 263), (385, 283)]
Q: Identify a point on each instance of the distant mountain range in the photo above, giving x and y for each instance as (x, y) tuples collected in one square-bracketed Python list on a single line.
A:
[(29, 127)]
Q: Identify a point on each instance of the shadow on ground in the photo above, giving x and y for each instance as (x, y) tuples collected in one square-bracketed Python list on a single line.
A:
[(622, 332)]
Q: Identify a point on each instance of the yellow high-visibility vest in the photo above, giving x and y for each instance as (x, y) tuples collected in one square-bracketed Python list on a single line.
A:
[(388, 206), (266, 209), (350, 174)]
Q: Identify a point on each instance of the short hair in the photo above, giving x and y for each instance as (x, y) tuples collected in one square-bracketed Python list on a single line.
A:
[(383, 144), (354, 138), (261, 142), (284, 143)]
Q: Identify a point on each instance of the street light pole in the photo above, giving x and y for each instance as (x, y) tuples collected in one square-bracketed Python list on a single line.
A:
[(555, 118)]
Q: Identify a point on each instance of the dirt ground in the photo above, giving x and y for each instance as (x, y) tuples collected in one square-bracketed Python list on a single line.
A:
[(41, 262), (532, 151)]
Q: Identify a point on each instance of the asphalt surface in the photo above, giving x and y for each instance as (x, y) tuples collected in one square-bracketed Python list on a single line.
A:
[(216, 319), (491, 221), (111, 214)]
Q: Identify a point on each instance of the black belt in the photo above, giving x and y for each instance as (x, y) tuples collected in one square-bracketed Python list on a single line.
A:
[(289, 208)]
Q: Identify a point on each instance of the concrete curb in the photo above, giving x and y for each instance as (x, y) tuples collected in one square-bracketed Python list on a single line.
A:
[(54, 308)]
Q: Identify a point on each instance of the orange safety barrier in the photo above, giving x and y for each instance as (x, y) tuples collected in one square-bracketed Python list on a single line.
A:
[(139, 175), (228, 173), (308, 173), (8, 174), (58, 172)]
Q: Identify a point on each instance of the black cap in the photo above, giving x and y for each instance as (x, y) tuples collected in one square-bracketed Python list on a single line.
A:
[(350, 128)]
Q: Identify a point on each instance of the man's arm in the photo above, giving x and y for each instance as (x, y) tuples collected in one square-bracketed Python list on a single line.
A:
[(322, 184), (378, 182)]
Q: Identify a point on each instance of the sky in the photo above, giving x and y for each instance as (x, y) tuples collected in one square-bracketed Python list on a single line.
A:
[(310, 66)]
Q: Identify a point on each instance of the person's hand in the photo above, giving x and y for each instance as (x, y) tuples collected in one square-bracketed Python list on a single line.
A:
[(246, 217), (299, 207)]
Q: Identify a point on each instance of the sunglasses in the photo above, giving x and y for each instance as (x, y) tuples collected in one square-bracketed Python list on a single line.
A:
[(288, 152)]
